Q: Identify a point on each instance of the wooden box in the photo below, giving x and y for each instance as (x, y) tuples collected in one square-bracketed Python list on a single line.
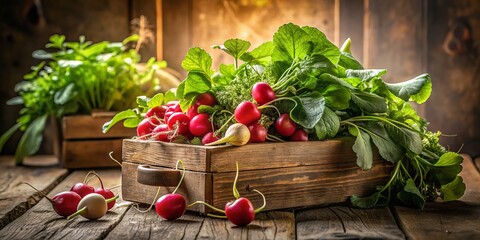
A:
[(290, 174), (82, 144)]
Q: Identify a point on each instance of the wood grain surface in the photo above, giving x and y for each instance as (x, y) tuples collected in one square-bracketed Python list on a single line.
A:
[(41, 222), (300, 186), (347, 223), (90, 127), (447, 220), (77, 154), (135, 225), (195, 187), (165, 154), (16, 198)]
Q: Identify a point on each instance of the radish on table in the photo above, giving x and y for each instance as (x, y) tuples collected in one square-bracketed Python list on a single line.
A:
[(64, 203), (240, 211)]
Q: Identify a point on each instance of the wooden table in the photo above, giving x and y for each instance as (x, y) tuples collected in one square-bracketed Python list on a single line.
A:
[(24, 214)]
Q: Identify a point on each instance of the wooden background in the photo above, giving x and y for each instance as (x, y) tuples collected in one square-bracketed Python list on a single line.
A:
[(406, 37)]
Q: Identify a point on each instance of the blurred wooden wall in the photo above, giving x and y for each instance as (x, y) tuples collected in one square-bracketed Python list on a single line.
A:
[(406, 37)]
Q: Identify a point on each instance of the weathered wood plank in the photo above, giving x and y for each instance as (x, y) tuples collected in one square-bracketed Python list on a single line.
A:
[(477, 163), (15, 197), (455, 76), (165, 154), (222, 158), (254, 21), (351, 25), (195, 187), (347, 223), (301, 186), (177, 32), (41, 222), (449, 220), (90, 127), (136, 225), (90, 153), (282, 155), (395, 38)]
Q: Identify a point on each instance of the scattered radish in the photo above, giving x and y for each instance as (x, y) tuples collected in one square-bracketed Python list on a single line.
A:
[(285, 126), (206, 99), (262, 93), (64, 203), (240, 212), (200, 125), (209, 138), (106, 193), (258, 133), (237, 135), (93, 206), (82, 189), (179, 122), (247, 113), (299, 135), (171, 206)]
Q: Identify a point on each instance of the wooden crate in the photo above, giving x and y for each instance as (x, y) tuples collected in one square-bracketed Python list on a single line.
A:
[(290, 174), (82, 144)]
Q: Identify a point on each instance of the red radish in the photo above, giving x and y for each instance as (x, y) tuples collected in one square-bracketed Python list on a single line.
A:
[(172, 103), (247, 113), (262, 93), (200, 125), (206, 99), (160, 133), (157, 111), (299, 135), (167, 116), (64, 203), (106, 193), (285, 126), (258, 133), (93, 206), (192, 111), (180, 122), (209, 138), (146, 126), (82, 189), (240, 212), (171, 206), (174, 107)]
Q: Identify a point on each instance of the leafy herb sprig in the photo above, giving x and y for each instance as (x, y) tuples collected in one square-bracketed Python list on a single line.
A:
[(76, 78)]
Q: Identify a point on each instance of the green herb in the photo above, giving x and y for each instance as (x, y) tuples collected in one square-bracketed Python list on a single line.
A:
[(77, 78)]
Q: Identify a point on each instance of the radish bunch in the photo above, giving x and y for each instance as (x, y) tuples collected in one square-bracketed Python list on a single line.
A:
[(82, 199), (167, 123)]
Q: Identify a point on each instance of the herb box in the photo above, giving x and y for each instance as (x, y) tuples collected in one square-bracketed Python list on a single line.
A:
[(80, 142), (289, 174)]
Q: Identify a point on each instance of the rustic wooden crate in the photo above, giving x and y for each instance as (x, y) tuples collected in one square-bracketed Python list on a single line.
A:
[(82, 144), (290, 174)]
